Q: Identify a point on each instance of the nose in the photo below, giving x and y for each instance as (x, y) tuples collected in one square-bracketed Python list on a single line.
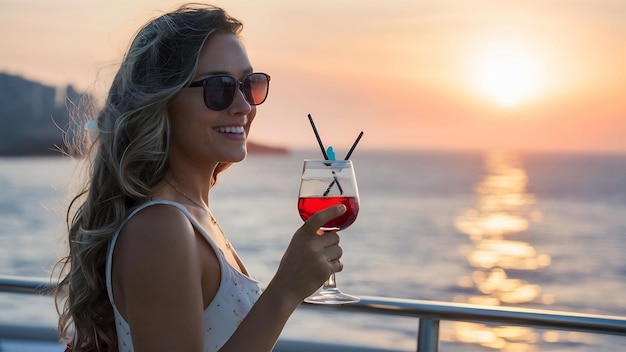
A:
[(240, 104)]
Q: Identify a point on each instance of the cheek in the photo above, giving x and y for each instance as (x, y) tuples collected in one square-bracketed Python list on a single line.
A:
[(188, 114), (187, 103), (184, 122)]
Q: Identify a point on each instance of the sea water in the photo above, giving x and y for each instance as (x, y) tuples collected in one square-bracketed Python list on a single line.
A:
[(499, 228)]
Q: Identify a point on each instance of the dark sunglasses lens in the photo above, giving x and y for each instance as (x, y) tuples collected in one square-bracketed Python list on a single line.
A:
[(255, 88), (219, 92)]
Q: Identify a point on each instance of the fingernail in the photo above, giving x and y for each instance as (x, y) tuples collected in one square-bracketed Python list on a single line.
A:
[(342, 208)]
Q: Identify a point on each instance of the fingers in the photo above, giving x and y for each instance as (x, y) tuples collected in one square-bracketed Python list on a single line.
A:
[(332, 255), (310, 257), (327, 242), (336, 266), (322, 217), (328, 238)]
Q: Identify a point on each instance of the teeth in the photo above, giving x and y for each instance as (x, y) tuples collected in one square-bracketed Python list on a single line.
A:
[(230, 129)]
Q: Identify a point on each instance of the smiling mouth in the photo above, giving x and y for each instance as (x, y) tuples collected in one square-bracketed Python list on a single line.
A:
[(230, 129)]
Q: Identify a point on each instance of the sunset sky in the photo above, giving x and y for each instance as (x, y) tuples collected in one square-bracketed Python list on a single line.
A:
[(438, 74)]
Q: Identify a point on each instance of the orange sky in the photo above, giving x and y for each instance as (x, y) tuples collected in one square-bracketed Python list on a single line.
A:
[(541, 75)]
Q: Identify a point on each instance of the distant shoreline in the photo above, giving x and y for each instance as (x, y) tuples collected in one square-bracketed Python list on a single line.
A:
[(49, 150)]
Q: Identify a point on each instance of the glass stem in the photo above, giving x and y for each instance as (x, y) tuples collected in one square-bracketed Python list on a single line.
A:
[(330, 283)]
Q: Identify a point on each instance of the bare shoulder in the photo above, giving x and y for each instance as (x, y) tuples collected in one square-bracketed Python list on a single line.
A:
[(157, 238), (158, 227)]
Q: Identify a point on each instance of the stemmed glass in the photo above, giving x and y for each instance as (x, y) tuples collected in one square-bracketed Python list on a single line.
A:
[(325, 183)]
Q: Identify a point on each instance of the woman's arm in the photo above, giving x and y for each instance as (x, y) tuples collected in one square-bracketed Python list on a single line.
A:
[(307, 263)]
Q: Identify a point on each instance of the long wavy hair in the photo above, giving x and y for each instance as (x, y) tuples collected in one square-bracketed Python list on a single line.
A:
[(126, 158)]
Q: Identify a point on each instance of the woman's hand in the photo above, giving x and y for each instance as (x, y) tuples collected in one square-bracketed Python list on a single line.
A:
[(312, 256)]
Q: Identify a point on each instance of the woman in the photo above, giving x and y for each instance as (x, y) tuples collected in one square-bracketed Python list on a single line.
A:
[(149, 268)]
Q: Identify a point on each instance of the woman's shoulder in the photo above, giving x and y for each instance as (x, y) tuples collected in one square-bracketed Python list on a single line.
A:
[(158, 218), (160, 230)]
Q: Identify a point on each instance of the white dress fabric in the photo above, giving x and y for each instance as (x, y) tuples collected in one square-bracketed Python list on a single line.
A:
[(235, 296)]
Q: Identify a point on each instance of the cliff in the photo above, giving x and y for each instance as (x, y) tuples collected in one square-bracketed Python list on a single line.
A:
[(35, 119), (32, 116)]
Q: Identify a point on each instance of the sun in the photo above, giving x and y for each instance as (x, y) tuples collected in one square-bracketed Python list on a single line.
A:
[(506, 73)]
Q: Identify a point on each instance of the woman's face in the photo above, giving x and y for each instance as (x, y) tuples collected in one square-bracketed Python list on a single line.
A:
[(199, 133)]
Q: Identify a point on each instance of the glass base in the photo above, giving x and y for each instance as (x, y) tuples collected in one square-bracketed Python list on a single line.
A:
[(331, 296)]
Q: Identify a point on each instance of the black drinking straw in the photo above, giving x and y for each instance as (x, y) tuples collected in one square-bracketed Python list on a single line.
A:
[(353, 146), (346, 158), (319, 140)]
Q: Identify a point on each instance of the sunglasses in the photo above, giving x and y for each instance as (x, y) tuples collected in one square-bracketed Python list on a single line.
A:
[(219, 91)]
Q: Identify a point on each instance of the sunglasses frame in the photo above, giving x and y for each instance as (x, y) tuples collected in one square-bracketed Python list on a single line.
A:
[(239, 86)]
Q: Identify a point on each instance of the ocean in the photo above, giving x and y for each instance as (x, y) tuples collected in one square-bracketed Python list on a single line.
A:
[(536, 230)]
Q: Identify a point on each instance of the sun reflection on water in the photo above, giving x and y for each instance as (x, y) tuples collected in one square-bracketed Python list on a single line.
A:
[(503, 213)]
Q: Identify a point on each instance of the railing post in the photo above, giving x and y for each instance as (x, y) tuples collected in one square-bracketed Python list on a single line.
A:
[(428, 335)]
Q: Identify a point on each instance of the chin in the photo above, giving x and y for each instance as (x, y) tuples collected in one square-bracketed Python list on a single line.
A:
[(236, 156), (241, 158)]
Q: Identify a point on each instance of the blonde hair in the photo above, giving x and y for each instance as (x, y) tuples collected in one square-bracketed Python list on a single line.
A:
[(127, 157)]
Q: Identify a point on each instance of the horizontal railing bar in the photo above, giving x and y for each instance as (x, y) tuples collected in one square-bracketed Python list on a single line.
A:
[(22, 284), (29, 333), (538, 318)]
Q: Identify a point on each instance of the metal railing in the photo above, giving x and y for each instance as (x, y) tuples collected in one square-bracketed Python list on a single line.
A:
[(430, 313)]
